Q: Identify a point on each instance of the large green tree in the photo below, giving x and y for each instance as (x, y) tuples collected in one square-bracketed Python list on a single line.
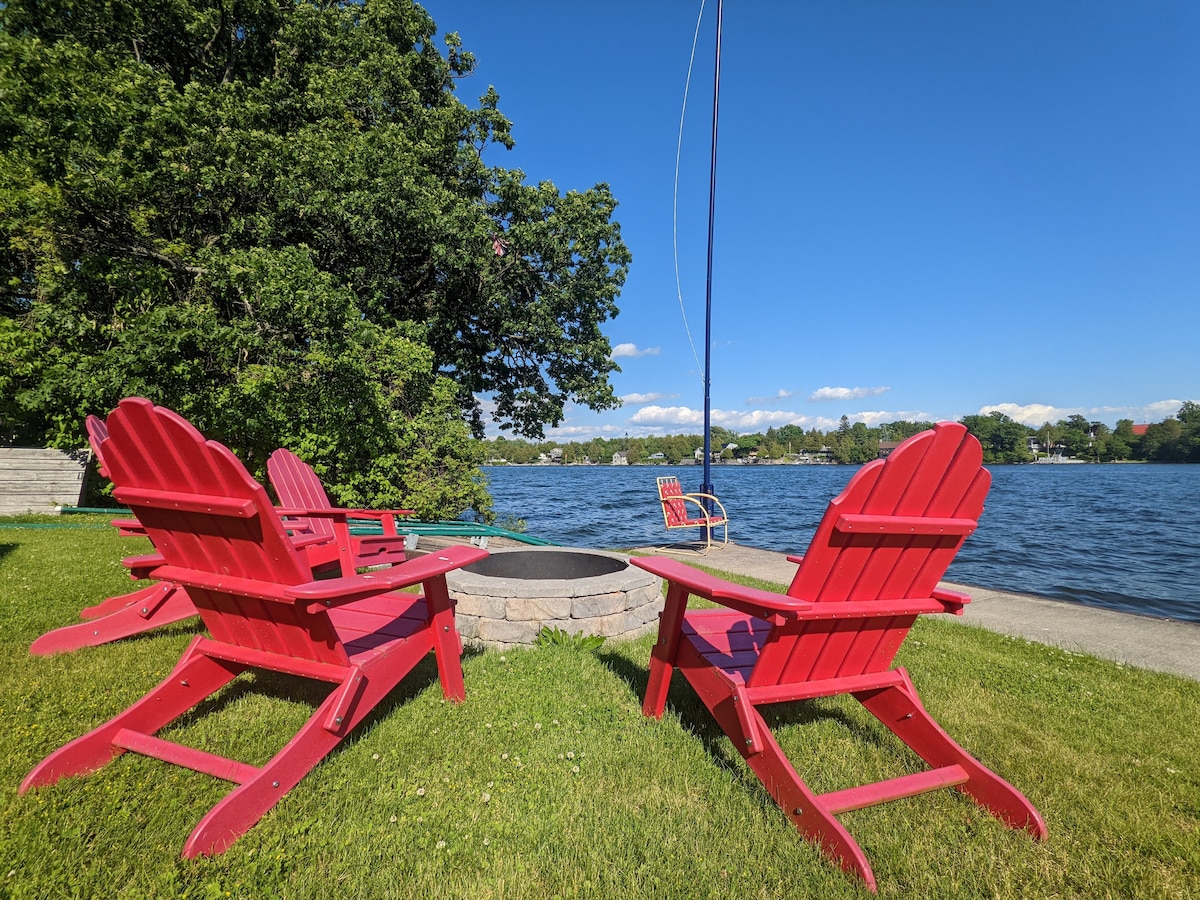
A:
[(1003, 440), (277, 217)]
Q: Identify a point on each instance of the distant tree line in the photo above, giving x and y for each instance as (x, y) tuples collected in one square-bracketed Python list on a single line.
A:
[(1175, 439)]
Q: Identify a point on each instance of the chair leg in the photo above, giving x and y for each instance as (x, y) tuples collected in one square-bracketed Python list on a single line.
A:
[(666, 648), (800, 804), (112, 604), (148, 608), (899, 708), (240, 809), (785, 786), (447, 645), (194, 678)]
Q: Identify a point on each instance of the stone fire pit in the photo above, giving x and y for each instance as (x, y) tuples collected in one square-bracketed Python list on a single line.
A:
[(505, 600)]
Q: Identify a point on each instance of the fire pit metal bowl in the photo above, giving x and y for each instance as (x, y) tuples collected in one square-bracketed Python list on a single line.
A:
[(503, 601)]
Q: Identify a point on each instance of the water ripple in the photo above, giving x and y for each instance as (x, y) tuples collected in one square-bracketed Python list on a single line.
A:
[(1123, 537)]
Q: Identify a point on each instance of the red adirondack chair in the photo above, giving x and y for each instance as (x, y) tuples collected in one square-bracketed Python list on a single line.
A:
[(298, 488), (872, 568), (221, 539), (326, 543), (692, 510), (125, 615)]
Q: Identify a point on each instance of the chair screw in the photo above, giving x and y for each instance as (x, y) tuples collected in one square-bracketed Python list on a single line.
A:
[(274, 784), (145, 610), (184, 683), (797, 811)]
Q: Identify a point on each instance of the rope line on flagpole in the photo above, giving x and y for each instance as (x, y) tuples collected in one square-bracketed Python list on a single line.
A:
[(675, 199)]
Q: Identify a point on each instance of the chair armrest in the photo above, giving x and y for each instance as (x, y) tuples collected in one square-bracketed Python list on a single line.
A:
[(768, 604), (953, 600), (697, 496), (141, 566), (380, 581), (878, 609), (302, 540), (341, 525), (330, 591), (762, 604)]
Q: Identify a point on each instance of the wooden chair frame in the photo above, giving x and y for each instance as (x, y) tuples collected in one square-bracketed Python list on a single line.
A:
[(223, 542), (872, 568), (300, 492), (321, 531)]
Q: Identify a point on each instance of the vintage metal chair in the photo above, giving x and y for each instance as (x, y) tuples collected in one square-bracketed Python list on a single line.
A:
[(692, 510), (219, 537), (873, 566)]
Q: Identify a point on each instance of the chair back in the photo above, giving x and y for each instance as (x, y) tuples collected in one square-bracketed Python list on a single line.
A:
[(97, 433), (297, 486), (890, 535), (673, 506), (217, 531)]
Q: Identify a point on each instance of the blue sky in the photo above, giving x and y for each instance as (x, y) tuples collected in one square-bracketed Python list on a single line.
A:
[(924, 210)]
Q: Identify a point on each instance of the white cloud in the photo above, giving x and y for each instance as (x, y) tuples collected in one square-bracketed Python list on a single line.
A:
[(841, 393), (632, 351), (634, 399), (1036, 414), (878, 417), (566, 433), (779, 397), (745, 422), (756, 419), (668, 415)]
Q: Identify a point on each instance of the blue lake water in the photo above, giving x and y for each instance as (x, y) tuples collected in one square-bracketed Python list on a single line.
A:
[(1124, 537)]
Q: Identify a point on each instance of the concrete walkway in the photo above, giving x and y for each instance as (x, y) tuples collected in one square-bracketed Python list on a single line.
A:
[(1161, 645)]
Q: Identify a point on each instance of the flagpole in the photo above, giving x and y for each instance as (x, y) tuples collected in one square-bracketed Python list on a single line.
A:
[(707, 486)]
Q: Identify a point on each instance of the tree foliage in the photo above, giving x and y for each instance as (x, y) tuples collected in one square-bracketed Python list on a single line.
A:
[(1003, 440), (277, 218)]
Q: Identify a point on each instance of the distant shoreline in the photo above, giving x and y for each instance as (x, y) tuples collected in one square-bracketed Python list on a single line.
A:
[(1042, 463)]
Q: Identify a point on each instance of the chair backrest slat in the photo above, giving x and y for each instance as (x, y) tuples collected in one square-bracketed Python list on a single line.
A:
[(298, 486), (97, 434), (207, 516), (891, 534)]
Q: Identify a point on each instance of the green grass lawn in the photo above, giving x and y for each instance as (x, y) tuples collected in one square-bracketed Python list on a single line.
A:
[(548, 782)]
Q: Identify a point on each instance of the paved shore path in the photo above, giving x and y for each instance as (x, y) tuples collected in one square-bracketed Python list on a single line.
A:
[(1161, 645)]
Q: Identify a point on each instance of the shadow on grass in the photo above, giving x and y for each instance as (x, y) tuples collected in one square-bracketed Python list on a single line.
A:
[(6, 549), (280, 687), (295, 689), (695, 718)]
